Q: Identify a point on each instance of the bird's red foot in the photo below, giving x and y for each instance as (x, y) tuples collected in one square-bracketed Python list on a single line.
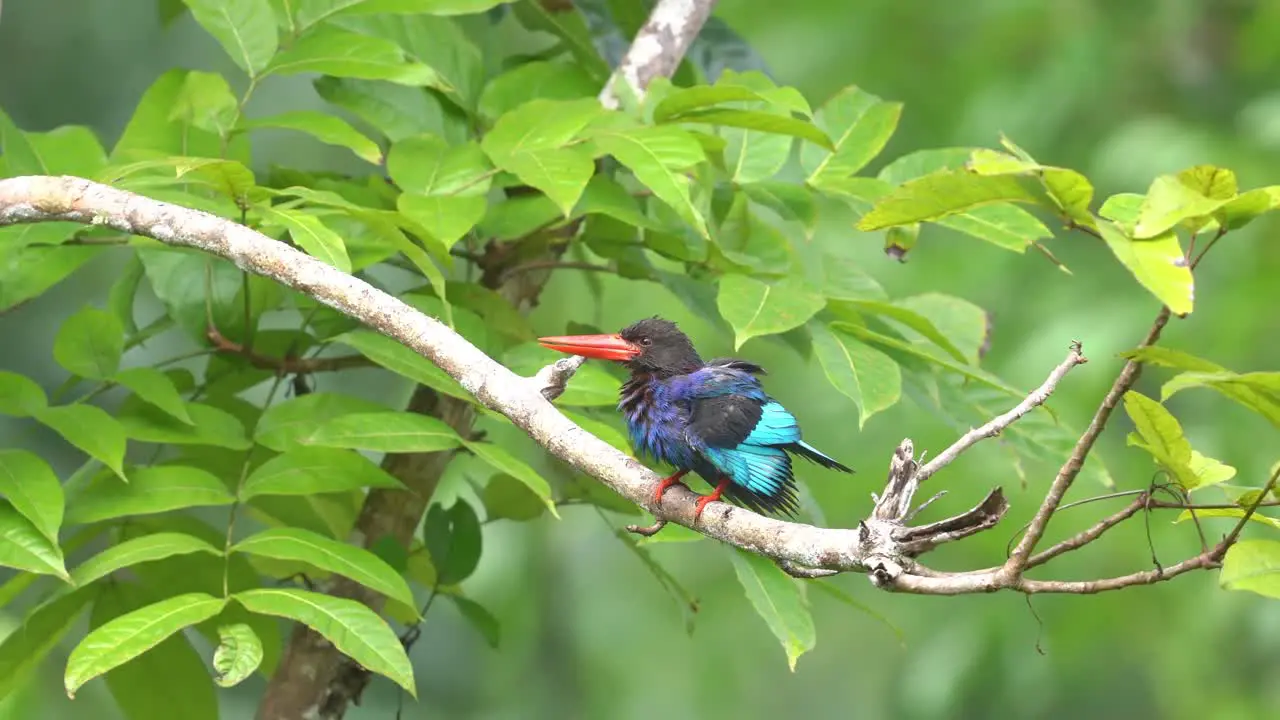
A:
[(668, 482), (708, 499)]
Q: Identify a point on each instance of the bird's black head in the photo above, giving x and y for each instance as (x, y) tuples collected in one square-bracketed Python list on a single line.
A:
[(652, 345), (664, 349)]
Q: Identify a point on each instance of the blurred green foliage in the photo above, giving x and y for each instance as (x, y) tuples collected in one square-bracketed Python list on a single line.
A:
[(1120, 91)]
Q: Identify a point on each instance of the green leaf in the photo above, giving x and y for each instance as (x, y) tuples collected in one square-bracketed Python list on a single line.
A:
[(401, 360), (238, 656), (868, 377), (1123, 208), (1005, 226), (124, 291), (925, 353), (682, 100), (209, 426), (24, 547), (310, 233), (1212, 182), (286, 425), (1253, 565), (539, 125), (1159, 265), (1236, 513), (90, 429), (171, 674), (387, 431), (446, 217), (945, 193), (152, 131), (128, 636), (188, 282), (439, 42), (506, 497), (560, 173), (1208, 471), (27, 645), (499, 459), (312, 470), (89, 343), (134, 551), (355, 630), (332, 51), (1169, 202), (328, 129), (150, 490), (444, 187), (334, 556), (913, 320), (860, 124), (1168, 357), (1260, 392), (246, 29), (764, 122), (844, 279), (206, 102), (966, 325), (481, 619), (155, 388), (793, 203), (656, 155), (755, 308), (396, 111), (570, 25), (20, 396), (26, 273), (1162, 437), (1248, 206), (777, 599), (534, 80), (454, 541), (21, 156), (34, 491)]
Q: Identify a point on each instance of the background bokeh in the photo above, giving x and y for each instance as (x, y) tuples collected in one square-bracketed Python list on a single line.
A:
[(1121, 91)]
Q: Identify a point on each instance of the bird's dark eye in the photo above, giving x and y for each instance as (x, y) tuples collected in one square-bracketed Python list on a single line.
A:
[(646, 341)]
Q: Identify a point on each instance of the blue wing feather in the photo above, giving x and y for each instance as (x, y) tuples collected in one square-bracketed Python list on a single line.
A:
[(731, 428)]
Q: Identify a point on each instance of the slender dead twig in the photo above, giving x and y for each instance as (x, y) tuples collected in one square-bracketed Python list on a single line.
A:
[(286, 365), (998, 424)]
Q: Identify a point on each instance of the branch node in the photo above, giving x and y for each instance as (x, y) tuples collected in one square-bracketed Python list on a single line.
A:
[(552, 379), (648, 530), (805, 573)]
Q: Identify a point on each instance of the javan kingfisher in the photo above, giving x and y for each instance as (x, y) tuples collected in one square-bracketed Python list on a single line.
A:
[(712, 418)]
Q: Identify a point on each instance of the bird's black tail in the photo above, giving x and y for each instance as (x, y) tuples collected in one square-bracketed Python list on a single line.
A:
[(812, 454)]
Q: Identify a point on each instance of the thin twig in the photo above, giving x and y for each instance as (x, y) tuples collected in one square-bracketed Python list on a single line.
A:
[(1253, 508), (553, 265), (287, 365), (999, 423), (1085, 537)]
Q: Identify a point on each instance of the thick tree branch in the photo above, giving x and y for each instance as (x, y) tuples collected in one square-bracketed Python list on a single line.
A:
[(658, 47), (882, 546)]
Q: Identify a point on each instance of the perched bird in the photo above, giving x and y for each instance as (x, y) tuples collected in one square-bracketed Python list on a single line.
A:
[(712, 418)]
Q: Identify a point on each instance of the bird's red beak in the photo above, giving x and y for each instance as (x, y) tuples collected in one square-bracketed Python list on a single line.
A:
[(601, 347)]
